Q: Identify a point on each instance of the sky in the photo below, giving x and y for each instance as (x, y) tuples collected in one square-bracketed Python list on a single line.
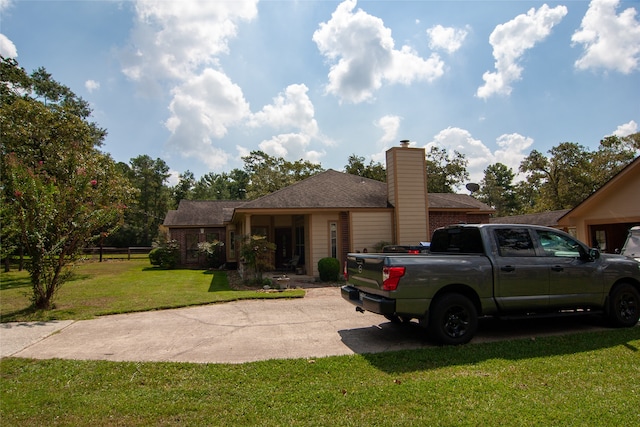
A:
[(200, 84)]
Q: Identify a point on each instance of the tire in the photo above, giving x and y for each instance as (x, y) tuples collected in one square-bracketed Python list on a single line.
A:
[(453, 320), (624, 306)]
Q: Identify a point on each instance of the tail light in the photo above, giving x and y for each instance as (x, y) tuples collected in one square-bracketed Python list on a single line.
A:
[(414, 251), (345, 271), (391, 276)]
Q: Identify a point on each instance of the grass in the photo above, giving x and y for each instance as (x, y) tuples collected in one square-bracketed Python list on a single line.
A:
[(581, 379), (122, 286)]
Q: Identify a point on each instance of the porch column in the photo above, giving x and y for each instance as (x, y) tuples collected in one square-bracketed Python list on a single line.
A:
[(247, 225)]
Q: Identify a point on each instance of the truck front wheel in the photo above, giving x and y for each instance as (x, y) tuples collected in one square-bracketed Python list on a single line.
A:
[(624, 308), (453, 319)]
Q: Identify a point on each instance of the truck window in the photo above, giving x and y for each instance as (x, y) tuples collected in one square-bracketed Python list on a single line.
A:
[(457, 240), (555, 244), (514, 242)]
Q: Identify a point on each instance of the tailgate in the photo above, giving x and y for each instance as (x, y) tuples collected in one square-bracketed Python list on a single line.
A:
[(364, 271)]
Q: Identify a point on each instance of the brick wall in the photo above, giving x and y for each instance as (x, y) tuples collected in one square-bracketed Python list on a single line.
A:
[(190, 258), (442, 219)]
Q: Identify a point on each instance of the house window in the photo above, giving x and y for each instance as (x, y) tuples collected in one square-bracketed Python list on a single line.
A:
[(333, 239), (299, 243), (192, 247)]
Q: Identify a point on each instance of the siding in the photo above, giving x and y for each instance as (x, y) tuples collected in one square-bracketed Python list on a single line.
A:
[(369, 228), (319, 244), (409, 188)]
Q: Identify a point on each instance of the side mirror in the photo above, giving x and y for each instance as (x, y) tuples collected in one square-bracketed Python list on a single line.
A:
[(594, 254)]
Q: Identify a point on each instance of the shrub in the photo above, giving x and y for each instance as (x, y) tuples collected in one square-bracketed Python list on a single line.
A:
[(166, 256), (257, 253), (329, 269), (213, 252)]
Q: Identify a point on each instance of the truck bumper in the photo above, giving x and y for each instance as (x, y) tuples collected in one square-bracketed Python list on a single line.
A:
[(368, 302)]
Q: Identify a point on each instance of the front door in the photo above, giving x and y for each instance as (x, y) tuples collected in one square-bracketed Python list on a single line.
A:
[(284, 251)]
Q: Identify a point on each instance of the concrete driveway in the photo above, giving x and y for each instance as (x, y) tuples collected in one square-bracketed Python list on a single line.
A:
[(321, 324)]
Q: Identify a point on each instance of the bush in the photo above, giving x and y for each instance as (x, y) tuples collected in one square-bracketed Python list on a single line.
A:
[(166, 256), (329, 269)]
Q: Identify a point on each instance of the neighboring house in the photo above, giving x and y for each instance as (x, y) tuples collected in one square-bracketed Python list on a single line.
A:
[(548, 219), (604, 218), (330, 214)]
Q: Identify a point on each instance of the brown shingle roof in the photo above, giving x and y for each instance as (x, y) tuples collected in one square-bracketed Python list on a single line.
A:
[(201, 212), (326, 190), (549, 218), (329, 189)]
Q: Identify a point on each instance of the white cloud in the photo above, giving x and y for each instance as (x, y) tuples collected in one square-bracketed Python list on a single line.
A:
[(511, 152), (91, 85), (610, 41), (7, 48), (511, 40), (446, 38), (389, 125), (513, 149), (203, 108), (291, 110), (363, 56), (289, 146), (172, 39), (626, 129), (177, 43)]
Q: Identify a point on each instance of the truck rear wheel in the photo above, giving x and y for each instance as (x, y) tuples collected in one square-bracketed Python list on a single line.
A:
[(453, 319), (624, 306)]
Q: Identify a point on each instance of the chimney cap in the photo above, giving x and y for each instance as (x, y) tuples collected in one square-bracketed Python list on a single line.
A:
[(404, 143)]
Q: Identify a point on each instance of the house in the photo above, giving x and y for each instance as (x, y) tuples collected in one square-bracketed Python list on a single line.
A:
[(329, 214), (197, 221), (604, 218)]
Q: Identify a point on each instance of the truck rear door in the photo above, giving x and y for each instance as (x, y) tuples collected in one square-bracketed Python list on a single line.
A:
[(521, 280)]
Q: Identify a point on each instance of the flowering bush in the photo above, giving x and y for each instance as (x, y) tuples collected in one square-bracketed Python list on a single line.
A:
[(257, 253), (213, 252)]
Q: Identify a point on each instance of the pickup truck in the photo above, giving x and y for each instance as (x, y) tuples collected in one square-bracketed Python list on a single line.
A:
[(496, 270)]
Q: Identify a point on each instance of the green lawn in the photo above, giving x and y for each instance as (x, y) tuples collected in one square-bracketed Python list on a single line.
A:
[(120, 286), (584, 379), (575, 380)]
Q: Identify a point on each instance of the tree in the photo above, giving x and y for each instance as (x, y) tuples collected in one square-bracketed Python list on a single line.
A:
[(269, 174), (153, 199), (62, 190), (184, 189), (497, 189), (571, 173), (444, 172), (151, 204), (356, 166), (613, 154)]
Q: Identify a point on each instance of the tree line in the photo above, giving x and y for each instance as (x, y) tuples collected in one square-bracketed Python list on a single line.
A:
[(60, 192)]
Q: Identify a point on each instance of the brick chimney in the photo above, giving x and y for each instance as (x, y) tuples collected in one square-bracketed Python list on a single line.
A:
[(407, 193)]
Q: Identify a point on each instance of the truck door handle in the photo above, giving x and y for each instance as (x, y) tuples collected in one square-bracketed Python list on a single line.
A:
[(508, 268), (557, 268)]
